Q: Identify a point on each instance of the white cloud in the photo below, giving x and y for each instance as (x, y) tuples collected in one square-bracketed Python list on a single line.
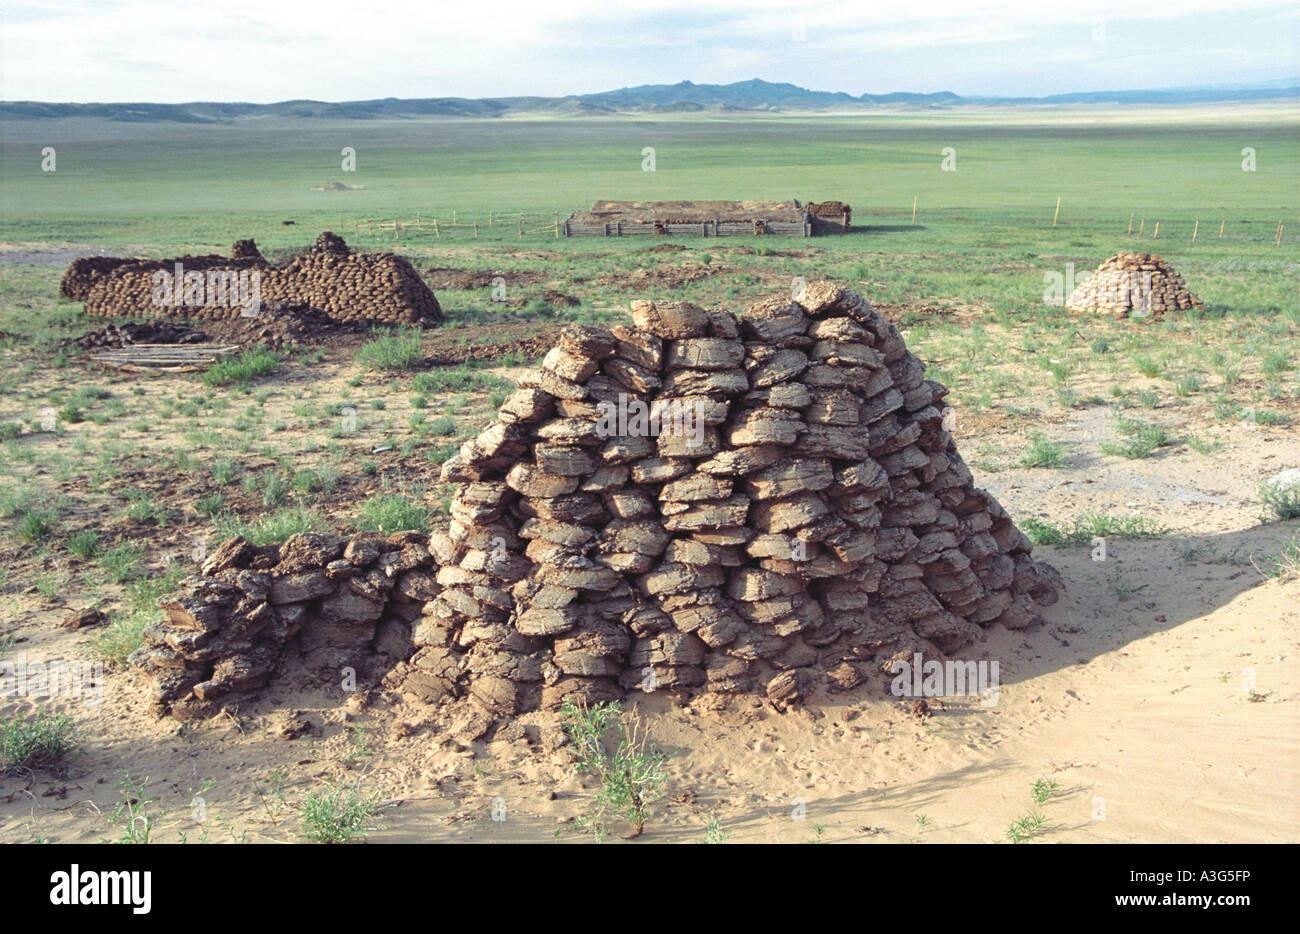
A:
[(345, 50)]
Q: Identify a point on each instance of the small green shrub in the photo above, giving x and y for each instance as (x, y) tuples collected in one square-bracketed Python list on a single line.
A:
[(43, 740), (339, 814), (250, 365), (631, 777), (84, 544), (392, 512), (1280, 502), (392, 350), (1042, 452)]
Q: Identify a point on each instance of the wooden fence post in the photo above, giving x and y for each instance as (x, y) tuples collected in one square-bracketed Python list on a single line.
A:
[(1221, 223), (1155, 234), (1141, 227), (1058, 210), (1130, 225), (1194, 230), (914, 197)]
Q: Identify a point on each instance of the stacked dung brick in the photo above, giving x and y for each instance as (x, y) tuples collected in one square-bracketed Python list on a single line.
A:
[(767, 503), (815, 518), (831, 212), (1137, 284), (343, 602), (86, 271), (351, 288)]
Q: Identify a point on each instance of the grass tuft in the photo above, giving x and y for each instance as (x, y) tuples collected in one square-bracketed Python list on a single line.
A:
[(42, 741)]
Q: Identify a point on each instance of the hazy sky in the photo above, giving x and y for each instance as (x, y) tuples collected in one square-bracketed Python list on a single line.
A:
[(269, 50)]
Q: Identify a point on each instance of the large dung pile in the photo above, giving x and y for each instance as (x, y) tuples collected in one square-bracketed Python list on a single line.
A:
[(820, 518), (1138, 284), (350, 288), (814, 523)]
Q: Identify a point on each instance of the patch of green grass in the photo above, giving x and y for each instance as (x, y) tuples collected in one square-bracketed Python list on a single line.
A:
[(1148, 367), (1203, 445), (463, 378), (71, 414), (123, 635), (1024, 828), (1042, 452), (15, 499), (42, 741), (392, 512), (131, 817), (713, 832), (250, 365), (1043, 789), (212, 504), (1088, 526), (122, 562), (1268, 417), (442, 426), (274, 491), (1188, 384), (84, 544), (1274, 363), (224, 471), (1144, 438), (1042, 533), (144, 508), (1284, 563), (273, 528), (339, 814), (1280, 502), (392, 350), (36, 526)]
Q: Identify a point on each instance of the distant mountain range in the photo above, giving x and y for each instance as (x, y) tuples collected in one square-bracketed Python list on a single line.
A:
[(685, 97)]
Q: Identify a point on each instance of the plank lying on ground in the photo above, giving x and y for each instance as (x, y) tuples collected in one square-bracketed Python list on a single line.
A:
[(166, 358)]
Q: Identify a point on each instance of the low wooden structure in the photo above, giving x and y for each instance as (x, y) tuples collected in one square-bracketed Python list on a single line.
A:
[(708, 219), (163, 358)]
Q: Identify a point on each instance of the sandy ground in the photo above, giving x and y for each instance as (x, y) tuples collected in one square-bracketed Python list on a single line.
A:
[(1135, 698)]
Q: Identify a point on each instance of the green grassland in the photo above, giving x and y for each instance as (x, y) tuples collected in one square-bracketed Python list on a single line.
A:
[(203, 186)]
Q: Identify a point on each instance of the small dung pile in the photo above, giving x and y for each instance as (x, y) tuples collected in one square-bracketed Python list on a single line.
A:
[(1136, 284), (347, 602), (350, 288), (767, 503)]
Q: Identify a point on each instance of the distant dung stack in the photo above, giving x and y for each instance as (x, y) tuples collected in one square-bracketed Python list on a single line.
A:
[(1133, 284), (351, 288)]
